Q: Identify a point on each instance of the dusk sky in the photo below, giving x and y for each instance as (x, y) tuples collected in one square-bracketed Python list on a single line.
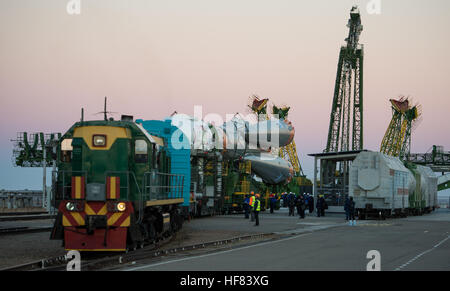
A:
[(152, 57)]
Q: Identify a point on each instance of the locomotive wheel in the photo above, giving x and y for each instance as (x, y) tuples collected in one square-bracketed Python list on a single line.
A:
[(131, 247), (151, 232), (176, 221), (179, 221)]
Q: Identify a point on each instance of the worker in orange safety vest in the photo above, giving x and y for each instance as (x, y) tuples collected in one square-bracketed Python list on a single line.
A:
[(252, 204)]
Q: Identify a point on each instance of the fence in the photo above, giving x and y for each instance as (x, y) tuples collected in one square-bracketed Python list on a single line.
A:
[(17, 199)]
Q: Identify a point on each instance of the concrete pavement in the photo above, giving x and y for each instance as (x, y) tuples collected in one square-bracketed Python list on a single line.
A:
[(413, 243)]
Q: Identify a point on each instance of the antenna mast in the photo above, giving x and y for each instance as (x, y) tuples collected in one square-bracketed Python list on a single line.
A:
[(106, 117)]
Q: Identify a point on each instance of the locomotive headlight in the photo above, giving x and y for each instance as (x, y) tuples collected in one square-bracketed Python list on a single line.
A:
[(99, 140), (121, 206), (70, 206)]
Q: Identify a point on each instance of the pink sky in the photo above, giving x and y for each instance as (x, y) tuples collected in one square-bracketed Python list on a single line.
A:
[(154, 57)]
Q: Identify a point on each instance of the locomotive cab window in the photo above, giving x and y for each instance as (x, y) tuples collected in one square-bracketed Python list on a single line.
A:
[(66, 150), (141, 151), (99, 140)]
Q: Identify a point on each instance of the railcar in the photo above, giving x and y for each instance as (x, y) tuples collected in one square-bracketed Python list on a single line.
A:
[(383, 186), (424, 198), (380, 185), (113, 187)]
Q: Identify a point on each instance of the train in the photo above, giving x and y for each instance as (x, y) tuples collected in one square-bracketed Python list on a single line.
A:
[(226, 160), (384, 186), (120, 184)]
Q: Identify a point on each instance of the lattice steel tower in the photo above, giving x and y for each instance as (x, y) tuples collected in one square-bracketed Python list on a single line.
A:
[(397, 139), (348, 92)]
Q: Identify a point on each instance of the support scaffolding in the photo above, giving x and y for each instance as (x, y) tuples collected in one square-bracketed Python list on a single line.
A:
[(345, 133)]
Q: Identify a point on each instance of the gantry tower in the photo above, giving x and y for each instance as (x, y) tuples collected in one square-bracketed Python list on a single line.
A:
[(345, 132), (347, 108)]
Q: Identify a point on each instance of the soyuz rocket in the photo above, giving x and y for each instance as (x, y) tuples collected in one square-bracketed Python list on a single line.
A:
[(241, 139)]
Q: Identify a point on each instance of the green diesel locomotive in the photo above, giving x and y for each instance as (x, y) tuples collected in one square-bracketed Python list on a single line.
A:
[(113, 188)]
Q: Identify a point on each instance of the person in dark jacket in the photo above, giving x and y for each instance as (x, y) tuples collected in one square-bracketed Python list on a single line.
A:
[(320, 206), (272, 201), (300, 203), (351, 212), (346, 206), (306, 198), (311, 203), (284, 197), (246, 206), (291, 203)]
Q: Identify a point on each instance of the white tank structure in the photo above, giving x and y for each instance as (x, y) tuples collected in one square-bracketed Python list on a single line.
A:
[(424, 198), (380, 185)]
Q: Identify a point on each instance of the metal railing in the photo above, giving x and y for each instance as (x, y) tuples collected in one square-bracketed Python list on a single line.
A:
[(159, 186), (123, 175), (67, 188), (20, 199)]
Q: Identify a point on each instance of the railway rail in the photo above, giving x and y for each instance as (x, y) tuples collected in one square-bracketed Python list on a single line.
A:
[(21, 230), (9, 217), (22, 213)]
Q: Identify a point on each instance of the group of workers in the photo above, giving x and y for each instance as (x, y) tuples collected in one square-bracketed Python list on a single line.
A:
[(301, 202), (252, 205)]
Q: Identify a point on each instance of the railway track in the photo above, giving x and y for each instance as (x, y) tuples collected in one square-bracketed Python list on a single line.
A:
[(22, 213), (99, 261), (27, 216), (21, 230)]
